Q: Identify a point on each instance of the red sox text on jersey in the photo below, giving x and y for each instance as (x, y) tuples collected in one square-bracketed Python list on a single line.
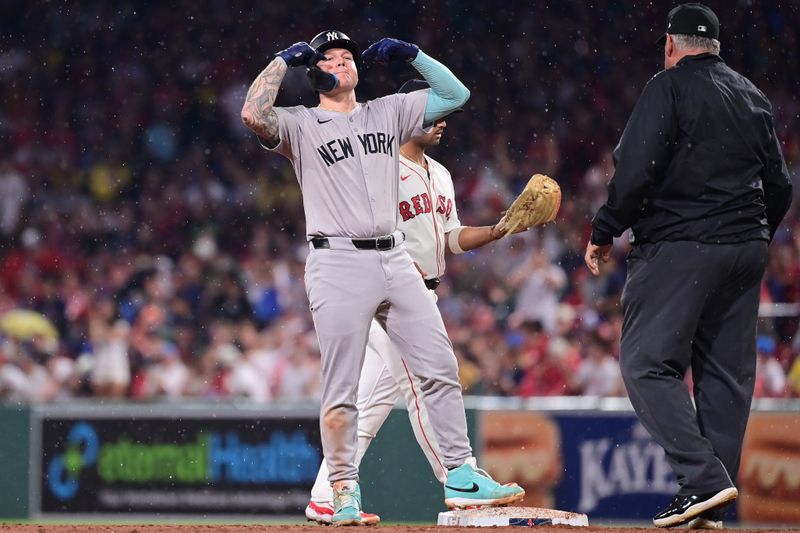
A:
[(421, 203)]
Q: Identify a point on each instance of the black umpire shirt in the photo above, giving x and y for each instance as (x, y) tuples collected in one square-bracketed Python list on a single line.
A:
[(699, 160)]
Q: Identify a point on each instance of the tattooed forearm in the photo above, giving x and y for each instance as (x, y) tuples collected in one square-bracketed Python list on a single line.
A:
[(257, 113)]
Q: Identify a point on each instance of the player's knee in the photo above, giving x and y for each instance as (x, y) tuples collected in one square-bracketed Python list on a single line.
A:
[(441, 383), (446, 367), (335, 418)]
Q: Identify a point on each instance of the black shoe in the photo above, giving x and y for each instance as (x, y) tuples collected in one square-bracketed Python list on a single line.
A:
[(684, 508), (708, 520)]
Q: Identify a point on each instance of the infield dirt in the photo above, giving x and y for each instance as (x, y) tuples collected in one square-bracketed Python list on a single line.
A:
[(254, 528)]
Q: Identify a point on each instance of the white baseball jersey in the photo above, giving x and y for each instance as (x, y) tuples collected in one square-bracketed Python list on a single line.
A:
[(346, 163), (427, 211)]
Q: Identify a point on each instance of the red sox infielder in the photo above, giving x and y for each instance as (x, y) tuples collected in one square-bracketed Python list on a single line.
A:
[(429, 220), (345, 155)]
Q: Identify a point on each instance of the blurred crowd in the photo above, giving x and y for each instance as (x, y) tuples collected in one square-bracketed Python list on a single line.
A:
[(149, 248)]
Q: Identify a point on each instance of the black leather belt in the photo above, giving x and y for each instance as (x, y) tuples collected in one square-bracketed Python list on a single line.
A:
[(381, 243), (432, 283)]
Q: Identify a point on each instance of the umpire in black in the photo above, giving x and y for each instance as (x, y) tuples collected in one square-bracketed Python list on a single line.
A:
[(701, 182)]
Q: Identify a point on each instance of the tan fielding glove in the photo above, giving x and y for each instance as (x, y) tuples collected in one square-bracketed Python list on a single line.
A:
[(537, 204)]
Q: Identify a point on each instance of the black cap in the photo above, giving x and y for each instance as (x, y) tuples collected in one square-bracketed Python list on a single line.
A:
[(417, 85), (691, 19), (325, 40)]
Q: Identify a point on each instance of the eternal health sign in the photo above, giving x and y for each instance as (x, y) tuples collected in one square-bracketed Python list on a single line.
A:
[(178, 466)]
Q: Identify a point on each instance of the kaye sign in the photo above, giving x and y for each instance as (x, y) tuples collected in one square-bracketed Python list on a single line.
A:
[(174, 466), (612, 468)]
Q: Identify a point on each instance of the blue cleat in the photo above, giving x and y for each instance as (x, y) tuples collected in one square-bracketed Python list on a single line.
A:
[(469, 486), (346, 504)]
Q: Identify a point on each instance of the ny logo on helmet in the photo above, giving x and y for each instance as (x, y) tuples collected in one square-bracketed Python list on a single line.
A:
[(331, 35)]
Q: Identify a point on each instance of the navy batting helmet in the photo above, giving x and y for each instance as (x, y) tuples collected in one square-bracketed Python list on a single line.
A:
[(323, 82), (326, 40)]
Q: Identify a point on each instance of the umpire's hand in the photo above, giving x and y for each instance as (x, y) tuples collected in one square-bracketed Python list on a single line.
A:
[(594, 254)]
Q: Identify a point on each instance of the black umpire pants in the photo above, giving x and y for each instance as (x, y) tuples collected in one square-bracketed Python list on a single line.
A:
[(693, 305)]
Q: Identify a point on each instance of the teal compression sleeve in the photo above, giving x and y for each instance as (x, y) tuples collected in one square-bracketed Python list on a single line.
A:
[(447, 93)]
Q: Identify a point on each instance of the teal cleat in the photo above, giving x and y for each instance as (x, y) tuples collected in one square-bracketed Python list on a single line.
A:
[(346, 504), (469, 486)]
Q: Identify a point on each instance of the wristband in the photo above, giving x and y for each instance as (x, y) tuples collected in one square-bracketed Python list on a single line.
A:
[(452, 240)]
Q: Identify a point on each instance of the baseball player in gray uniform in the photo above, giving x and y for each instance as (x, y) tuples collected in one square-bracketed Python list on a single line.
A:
[(429, 219), (345, 155)]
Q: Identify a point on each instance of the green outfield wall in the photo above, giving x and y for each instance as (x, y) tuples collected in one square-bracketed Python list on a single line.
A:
[(15, 449), (84, 460)]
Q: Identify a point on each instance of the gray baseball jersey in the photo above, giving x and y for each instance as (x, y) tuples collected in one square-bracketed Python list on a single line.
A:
[(347, 166), (427, 210), (347, 163)]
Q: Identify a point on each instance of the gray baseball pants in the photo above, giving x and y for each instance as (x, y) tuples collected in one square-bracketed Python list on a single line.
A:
[(346, 289)]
